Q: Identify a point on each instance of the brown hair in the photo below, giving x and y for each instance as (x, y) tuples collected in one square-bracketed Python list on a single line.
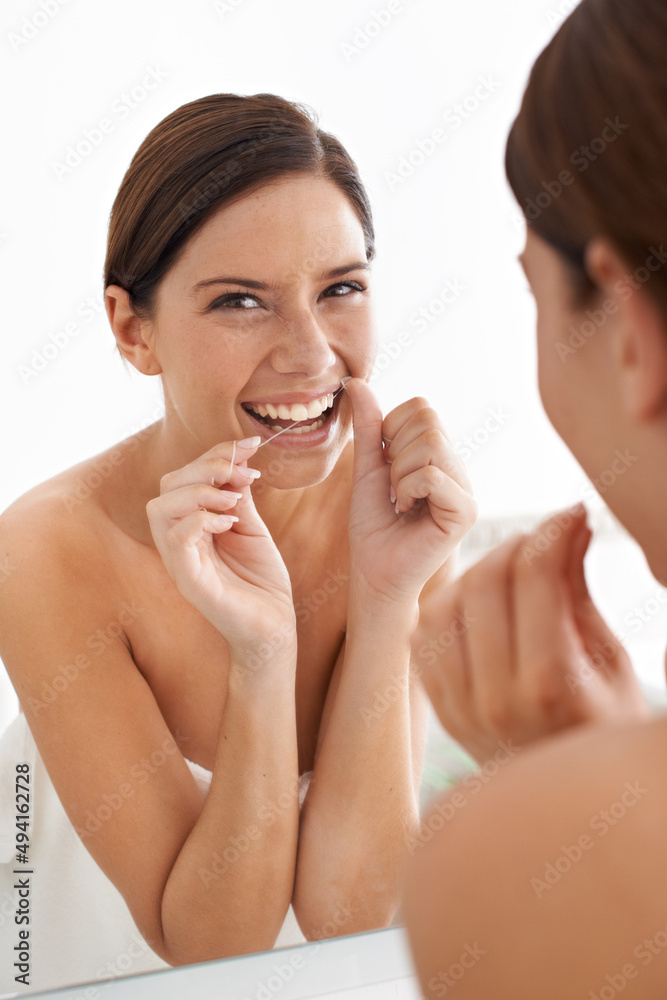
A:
[(587, 154), (202, 156)]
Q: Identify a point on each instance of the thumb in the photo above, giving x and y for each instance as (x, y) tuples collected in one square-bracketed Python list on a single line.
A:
[(367, 424)]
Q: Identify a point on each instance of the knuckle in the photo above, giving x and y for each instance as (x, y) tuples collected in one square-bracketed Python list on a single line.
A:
[(165, 482), (547, 688), (500, 715), (433, 436)]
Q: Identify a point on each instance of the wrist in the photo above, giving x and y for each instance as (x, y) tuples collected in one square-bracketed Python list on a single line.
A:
[(393, 610), (254, 656)]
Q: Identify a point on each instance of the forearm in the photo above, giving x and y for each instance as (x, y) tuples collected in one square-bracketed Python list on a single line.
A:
[(232, 881), (362, 801)]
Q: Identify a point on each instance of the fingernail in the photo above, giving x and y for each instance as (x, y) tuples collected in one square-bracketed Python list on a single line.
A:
[(397, 508), (345, 379), (392, 495), (228, 493), (250, 442), (249, 473)]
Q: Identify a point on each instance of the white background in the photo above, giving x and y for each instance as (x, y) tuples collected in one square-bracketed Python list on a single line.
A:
[(452, 219)]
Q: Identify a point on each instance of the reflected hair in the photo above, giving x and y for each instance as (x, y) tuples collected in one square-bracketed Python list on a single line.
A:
[(604, 71), (203, 156)]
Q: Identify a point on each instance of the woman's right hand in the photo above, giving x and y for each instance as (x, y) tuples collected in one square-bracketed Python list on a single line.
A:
[(521, 651), (230, 570)]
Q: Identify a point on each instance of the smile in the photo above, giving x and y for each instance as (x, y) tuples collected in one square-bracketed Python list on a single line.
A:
[(278, 416)]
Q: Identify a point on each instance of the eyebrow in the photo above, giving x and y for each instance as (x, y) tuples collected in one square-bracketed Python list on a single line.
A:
[(337, 272)]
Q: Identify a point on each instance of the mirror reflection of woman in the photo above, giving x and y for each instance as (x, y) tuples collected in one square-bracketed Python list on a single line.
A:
[(555, 870), (237, 270)]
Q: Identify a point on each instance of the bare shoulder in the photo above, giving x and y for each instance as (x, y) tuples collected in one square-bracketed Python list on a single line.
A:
[(73, 508), (58, 563), (547, 877)]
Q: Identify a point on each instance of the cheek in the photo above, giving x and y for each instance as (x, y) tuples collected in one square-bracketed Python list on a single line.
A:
[(360, 344), (552, 366)]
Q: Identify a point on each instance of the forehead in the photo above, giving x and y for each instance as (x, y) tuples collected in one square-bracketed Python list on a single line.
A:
[(300, 223)]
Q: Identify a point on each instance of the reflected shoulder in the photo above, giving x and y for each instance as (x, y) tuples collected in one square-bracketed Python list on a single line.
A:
[(559, 853)]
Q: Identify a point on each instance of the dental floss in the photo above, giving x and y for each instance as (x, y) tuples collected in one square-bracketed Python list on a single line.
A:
[(297, 422)]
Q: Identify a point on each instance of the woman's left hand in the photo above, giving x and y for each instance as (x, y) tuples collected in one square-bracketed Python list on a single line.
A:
[(411, 499)]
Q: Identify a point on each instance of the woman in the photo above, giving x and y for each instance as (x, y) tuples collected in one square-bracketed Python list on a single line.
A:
[(546, 878), (183, 596)]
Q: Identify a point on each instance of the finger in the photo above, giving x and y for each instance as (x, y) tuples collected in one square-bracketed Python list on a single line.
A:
[(486, 603), (180, 545), (401, 414), (181, 502), (446, 674), (451, 507), (548, 643), (222, 465), (367, 425), (411, 451), (600, 642), (250, 523)]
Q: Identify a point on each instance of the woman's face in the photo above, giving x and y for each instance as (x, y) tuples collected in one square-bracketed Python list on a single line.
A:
[(266, 310), (577, 371)]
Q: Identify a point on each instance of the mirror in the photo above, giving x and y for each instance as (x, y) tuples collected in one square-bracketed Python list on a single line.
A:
[(422, 96)]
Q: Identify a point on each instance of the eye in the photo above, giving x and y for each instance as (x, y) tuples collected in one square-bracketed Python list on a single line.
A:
[(342, 288), (236, 300)]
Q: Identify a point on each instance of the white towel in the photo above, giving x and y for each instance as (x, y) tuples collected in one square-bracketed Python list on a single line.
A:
[(81, 928)]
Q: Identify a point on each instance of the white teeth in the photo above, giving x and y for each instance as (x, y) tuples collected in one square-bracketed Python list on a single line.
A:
[(296, 412), (300, 412), (299, 430)]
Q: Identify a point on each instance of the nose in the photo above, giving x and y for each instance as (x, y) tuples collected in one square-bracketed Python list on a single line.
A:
[(302, 346)]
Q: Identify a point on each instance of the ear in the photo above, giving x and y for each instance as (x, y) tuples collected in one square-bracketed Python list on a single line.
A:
[(130, 331), (639, 329)]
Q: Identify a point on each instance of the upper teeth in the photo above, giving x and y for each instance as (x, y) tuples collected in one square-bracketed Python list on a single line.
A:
[(297, 411)]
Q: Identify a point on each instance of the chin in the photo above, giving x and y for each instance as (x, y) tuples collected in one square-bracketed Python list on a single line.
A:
[(289, 469)]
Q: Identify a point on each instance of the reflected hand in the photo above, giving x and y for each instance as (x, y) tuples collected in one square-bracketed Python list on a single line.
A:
[(230, 570), (522, 651), (395, 553)]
